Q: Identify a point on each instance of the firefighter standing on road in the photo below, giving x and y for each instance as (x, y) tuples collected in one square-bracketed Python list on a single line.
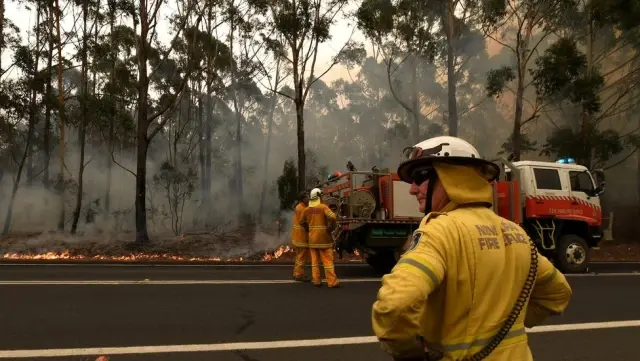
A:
[(314, 218), (300, 239), (466, 267)]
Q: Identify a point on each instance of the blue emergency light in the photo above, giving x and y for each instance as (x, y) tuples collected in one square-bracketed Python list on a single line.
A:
[(566, 161)]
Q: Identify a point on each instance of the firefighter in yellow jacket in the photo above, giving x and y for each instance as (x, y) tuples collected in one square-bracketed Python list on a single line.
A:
[(463, 273), (315, 218), (299, 239)]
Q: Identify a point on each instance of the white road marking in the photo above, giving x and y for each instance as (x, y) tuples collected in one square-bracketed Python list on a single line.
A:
[(227, 282), (171, 282), (611, 274), (152, 265), (269, 344), (214, 265)]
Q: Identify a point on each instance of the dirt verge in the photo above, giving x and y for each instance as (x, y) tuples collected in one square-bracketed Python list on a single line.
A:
[(616, 252)]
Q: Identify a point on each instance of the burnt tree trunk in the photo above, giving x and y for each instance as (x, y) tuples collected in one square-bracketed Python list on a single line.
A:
[(83, 118), (142, 235)]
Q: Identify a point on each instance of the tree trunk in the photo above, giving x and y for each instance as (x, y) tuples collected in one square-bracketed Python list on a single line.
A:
[(266, 151), (586, 117), (206, 117), (415, 100), (239, 162), (27, 147), (30, 166), (201, 145), (301, 156), (83, 118), (33, 107), (62, 111), (111, 136), (16, 184), (142, 236), (208, 151), (517, 120), (451, 70), (107, 191), (237, 107), (521, 64), (46, 140), (1, 31)]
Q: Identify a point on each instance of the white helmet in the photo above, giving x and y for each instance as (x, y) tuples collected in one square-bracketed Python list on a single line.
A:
[(444, 149), (315, 193)]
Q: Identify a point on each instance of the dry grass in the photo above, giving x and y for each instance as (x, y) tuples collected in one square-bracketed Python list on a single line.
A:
[(223, 244)]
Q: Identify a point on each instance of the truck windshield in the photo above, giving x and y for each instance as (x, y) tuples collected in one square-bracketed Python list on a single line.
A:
[(581, 182)]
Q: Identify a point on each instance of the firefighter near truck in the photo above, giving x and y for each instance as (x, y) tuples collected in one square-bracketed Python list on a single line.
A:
[(557, 203)]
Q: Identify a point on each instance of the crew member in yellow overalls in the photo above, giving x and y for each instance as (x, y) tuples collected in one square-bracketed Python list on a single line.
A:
[(320, 241), (299, 239), (458, 282)]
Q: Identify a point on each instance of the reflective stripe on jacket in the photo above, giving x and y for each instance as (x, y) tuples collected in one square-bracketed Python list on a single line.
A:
[(299, 234), (316, 217)]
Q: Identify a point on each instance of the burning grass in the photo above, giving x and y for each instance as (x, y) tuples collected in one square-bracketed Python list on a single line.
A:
[(197, 247), (192, 247)]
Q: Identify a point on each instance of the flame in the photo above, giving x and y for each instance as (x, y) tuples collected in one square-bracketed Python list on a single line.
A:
[(128, 257), (267, 256), (279, 252), (282, 252)]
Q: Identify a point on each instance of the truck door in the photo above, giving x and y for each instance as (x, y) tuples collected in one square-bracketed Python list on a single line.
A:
[(583, 200), (551, 192)]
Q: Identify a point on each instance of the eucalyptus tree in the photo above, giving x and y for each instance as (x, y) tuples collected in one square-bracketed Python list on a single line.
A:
[(523, 27), (404, 33), (20, 104), (148, 113), (304, 25), (605, 100)]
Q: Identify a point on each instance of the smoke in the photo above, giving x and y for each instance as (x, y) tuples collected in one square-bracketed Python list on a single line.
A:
[(174, 199), (356, 118)]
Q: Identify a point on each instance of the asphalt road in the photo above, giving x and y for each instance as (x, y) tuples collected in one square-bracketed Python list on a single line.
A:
[(79, 307)]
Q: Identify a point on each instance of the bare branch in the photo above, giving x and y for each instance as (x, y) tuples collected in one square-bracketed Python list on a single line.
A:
[(175, 96), (393, 92), (179, 31), (473, 106), (620, 96), (113, 158), (333, 63), (624, 159)]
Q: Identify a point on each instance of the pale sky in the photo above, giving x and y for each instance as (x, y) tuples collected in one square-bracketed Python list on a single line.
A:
[(340, 32)]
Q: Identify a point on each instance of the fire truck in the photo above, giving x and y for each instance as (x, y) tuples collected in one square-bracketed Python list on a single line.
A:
[(557, 203)]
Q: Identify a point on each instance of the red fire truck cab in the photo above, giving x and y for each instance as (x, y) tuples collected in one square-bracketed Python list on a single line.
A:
[(558, 204)]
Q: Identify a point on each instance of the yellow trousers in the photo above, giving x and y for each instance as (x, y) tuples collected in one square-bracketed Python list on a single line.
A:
[(324, 255), (302, 253)]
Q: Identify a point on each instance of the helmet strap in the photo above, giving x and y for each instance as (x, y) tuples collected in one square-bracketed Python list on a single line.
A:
[(433, 176)]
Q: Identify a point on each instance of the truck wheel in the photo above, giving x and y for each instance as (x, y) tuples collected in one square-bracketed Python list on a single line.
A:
[(572, 254), (382, 262)]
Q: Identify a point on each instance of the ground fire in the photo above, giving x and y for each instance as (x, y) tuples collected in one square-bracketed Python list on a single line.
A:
[(283, 253)]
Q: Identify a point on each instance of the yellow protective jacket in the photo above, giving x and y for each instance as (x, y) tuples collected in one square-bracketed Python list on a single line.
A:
[(316, 216), (299, 234), (454, 287)]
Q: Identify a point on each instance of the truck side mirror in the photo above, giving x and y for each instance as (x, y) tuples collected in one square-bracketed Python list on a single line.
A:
[(599, 175), (599, 189)]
